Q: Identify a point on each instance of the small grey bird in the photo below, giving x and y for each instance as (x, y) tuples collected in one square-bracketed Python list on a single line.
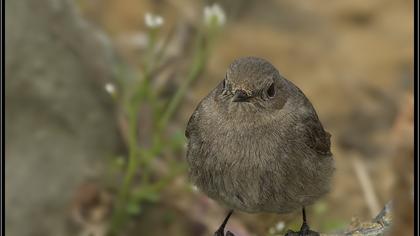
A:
[(255, 144)]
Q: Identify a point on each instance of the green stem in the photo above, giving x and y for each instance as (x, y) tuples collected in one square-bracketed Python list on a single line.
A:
[(142, 158), (159, 185), (197, 67), (124, 194)]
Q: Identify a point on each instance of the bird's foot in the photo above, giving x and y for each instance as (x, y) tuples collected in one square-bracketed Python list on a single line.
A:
[(220, 232), (304, 231)]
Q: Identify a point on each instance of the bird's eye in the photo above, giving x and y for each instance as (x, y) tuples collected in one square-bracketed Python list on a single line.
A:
[(271, 91)]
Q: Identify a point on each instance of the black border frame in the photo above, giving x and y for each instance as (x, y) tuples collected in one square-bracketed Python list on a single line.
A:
[(416, 116), (3, 210)]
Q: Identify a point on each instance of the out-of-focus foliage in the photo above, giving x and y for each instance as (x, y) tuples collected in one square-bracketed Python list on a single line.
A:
[(134, 91)]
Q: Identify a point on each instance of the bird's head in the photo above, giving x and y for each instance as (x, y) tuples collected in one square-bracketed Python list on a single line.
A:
[(252, 81)]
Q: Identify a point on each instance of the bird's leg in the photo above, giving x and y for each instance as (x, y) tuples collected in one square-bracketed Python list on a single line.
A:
[(221, 230), (304, 229)]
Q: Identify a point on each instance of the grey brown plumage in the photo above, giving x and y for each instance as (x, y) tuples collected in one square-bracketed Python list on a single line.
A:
[(268, 153)]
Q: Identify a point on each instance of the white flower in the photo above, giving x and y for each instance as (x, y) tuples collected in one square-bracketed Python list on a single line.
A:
[(214, 13), (280, 226), (153, 21), (194, 188), (110, 88)]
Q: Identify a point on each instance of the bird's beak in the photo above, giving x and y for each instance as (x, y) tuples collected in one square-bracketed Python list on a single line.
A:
[(240, 96)]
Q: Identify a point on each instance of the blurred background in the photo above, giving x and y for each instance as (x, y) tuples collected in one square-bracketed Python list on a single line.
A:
[(98, 94)]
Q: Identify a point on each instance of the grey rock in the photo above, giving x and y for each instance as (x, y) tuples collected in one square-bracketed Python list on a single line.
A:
[(59, 121)]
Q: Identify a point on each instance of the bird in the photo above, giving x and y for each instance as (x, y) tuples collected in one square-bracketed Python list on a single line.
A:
[(256, 144)]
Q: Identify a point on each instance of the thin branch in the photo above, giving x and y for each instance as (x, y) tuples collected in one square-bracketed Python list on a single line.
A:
[(366, 184)]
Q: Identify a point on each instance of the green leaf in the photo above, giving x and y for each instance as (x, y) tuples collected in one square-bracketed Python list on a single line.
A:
[(133, 208), (330, 225), (320, 208), (178, 139), (151, 196)]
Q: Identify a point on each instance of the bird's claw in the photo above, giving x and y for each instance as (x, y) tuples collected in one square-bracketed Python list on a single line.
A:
[(228, 233), (307, 232), (304, 231), (220, 232)]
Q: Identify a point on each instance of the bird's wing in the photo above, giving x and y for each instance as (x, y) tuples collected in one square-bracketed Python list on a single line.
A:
[(191, 123), (314, 136), (188, 128)]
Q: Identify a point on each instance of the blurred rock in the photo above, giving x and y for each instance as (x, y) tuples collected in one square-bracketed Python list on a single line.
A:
[(403, 163), (59, 125), (91, 207)]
